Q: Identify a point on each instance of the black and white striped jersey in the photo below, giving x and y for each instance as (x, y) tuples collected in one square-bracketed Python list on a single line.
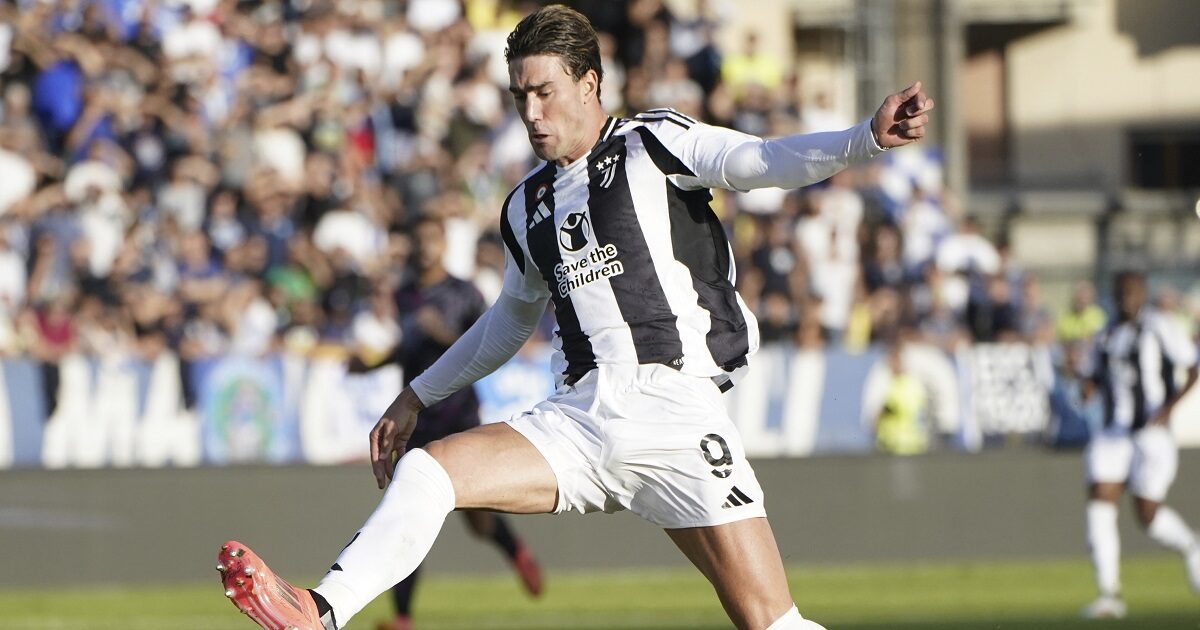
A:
[(625, 244), (1137, 366)]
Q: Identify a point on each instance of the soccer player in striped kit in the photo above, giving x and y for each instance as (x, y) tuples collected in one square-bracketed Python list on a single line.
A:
[(615, 228), (1137, 359)]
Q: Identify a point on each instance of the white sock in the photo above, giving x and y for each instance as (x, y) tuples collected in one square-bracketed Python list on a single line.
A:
[(1105, 545), (1169, 530), (395, 539), (791, 620)]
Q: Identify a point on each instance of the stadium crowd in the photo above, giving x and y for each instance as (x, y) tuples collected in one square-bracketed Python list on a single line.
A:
[(215, 176)]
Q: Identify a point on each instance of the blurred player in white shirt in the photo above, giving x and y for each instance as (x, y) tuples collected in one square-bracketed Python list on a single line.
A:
[(1138, 357)]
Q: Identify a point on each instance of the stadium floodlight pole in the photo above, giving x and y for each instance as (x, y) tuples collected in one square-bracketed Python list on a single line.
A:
[(614, 227)]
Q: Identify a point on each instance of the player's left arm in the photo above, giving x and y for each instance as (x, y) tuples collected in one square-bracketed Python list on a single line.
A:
[(706, 156), (1181, 350), (1163, 417), (804, 159)]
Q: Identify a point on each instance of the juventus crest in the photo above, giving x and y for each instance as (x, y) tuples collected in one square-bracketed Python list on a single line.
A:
[(608, 169)]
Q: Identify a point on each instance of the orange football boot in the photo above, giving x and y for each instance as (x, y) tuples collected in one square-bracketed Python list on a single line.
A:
[(263, 596)]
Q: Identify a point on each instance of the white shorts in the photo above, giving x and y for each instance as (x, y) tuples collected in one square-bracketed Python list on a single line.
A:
[(648, 439), (1147, 460)]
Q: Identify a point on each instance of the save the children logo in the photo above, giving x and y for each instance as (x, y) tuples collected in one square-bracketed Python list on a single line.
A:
[(600, 262)]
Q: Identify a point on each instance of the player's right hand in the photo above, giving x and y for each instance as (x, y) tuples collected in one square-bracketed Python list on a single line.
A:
[(902, 117), (391, 434)]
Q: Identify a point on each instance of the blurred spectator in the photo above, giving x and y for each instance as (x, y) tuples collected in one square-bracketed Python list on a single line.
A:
[(19, 176), (967, 251), (1084, 318), (1036, 321), (992, 314), (775, 266), (900, 425), (924, 224), (12, 279), (884, 269), (822, 116), (677, 90), (1169, 302), (692, 43), (1076, 407), (751, 66), (50, 334), (828, 236)]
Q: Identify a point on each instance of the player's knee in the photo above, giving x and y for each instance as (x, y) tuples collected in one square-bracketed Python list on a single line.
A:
[(1105, 492), (1146, 512), (437, 450)]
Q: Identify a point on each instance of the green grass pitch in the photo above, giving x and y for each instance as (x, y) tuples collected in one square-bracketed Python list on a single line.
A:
[(1021, 595)]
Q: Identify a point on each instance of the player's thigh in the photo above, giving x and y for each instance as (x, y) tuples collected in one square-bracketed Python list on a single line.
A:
[(1155, 464), (675, 458), (493, 467), (1108, 460), (742, 562)]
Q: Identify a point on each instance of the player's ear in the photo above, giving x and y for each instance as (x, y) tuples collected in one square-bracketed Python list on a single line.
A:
[(589, 85)]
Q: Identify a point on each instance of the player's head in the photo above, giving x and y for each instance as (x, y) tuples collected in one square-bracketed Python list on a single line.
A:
[(429, 238), (554, 75), (1129, 291)]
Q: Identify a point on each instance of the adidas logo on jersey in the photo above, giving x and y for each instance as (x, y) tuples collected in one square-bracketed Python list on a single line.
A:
[(736, 498), (542, 213)]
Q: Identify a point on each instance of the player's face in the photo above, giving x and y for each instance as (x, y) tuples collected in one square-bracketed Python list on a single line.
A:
[(553, 106), (1131, 296), (431, 245)]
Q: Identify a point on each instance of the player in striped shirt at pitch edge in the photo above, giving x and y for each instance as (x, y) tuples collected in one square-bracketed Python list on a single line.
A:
[(1138, 356), (615, 228)]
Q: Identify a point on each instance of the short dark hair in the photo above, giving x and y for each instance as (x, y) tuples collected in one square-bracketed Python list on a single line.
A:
[(1125, 276), (560, 31)]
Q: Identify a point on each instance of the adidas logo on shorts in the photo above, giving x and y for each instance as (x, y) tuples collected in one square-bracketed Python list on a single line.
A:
[(736, 498)]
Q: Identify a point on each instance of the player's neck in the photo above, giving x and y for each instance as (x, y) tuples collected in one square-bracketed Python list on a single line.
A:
[(431, 276), (1125, 318), (596, 119)]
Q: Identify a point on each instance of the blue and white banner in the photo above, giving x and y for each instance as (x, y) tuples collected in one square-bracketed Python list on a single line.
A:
[(120, 411), (796, 402), (243, 411), (123, 412), (515, 388), (338, 410), (22, 413)]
